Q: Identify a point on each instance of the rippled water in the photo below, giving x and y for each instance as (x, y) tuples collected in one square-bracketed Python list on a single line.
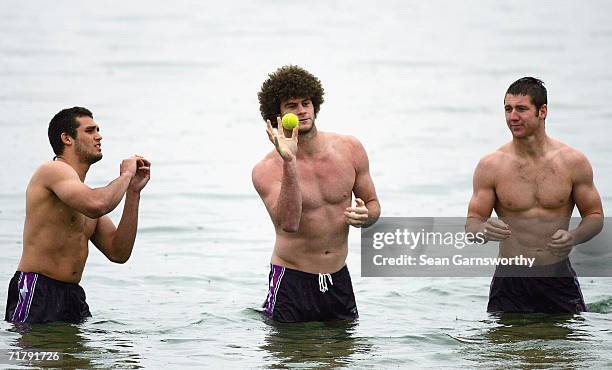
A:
[(419, 83)]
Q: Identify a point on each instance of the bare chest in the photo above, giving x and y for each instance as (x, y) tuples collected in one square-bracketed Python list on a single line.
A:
[(326, 182), (522, 186), (59, 216)]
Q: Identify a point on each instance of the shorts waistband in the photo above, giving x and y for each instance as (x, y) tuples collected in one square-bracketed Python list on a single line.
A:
[(308, 275), (47, 279), (562, 268)]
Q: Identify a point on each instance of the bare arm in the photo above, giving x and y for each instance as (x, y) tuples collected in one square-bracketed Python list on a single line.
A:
[(588, 201), (288, 207), (117, 243), (64, 182), (482, 203), (283, 199), (367, 209)]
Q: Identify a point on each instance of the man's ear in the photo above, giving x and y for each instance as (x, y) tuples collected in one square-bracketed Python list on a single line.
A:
[(66, 139), (543, 111)]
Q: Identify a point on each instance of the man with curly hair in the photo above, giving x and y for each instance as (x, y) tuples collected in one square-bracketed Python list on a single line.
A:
[(306, 184)]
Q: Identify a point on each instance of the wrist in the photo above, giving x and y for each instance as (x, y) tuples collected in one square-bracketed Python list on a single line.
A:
[(132, 193), (289, 162), (573, 237)]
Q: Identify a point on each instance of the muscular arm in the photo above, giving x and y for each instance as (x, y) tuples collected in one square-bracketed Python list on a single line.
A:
[(587, 200), (364, 186), (62, 180), (117, 243), (283, 199), (483, 196), (483, 201)]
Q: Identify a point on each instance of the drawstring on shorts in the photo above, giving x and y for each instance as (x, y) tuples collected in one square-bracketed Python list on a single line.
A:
[(323, 282)]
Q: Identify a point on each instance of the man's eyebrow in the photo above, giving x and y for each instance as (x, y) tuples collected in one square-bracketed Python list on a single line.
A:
[(91, 127)]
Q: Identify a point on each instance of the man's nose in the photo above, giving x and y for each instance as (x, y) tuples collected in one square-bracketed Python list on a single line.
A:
[(513, 115), (301, 110)]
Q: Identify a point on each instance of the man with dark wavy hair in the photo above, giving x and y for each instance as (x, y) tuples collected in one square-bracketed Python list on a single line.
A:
[(63, 215), (306, 184), (533, 183)]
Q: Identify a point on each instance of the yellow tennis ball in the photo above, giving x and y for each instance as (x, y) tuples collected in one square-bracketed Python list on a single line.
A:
[(290, 120)]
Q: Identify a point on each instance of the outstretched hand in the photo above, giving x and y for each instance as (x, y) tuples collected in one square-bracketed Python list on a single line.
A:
[(285, 146)]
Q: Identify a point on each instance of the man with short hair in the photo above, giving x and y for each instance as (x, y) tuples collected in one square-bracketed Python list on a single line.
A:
[(63, 214), (533, 182), (306, 184)]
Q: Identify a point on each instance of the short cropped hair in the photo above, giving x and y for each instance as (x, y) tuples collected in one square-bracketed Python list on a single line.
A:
[(65, 121), (288, 82), (532, 87)]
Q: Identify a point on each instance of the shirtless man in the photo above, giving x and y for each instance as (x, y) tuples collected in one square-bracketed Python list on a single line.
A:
[(306, 184), (533, 183), (63, 214)]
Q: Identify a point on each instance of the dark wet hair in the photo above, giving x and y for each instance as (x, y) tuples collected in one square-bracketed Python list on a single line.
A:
[(532, 87), (65, 121), (286, 83)]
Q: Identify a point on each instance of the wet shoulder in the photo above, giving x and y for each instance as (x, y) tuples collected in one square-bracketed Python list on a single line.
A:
[(52, 170), (495, 160), (267, 168), (347, 144), (572, 159), (568, 154)]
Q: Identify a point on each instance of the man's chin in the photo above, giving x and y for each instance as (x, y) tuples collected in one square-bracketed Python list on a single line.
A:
[(305, 130), (94, 158)]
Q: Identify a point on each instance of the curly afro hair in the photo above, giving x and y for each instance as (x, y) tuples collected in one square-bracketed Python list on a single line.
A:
[(286, 83)]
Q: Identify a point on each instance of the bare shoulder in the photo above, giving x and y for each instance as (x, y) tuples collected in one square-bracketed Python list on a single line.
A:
[(351, 142), (348, 146), (53, 171), (574, 160), (266, 169), (271, 159), (571, 155), (351, 148), (492, 161)]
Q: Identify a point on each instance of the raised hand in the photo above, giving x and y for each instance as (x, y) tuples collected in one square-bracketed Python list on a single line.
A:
[(129, 166), (285, 146), (142, 176)]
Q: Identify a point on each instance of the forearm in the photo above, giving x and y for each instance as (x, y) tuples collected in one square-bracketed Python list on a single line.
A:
[(373, 207), (125, 235), (289, 201), (587, 229), (110, 195)]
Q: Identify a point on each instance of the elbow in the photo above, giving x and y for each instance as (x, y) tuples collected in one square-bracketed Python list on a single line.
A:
[(119, 259), (95, 210), (290, 226), (288, 222)]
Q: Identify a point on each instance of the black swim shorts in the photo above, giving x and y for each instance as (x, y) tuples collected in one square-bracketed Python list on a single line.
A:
[(544, 289), (36, 298), (297, 296)]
